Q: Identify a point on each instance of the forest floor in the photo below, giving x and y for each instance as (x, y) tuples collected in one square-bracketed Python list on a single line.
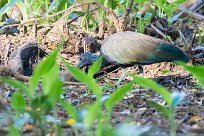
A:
[(133, 108)]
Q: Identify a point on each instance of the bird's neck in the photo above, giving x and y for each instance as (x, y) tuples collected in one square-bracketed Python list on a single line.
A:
[(105, 63)]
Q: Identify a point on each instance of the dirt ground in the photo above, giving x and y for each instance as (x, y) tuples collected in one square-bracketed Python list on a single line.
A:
[(133, 107)]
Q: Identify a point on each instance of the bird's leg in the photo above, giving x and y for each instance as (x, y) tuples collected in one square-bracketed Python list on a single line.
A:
[(124, 70), (141, 71)]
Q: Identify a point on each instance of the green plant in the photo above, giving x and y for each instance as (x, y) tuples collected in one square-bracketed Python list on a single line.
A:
[(167, 9), (37, 8), (196, 71), (171, 99), (94, 111), (40, 104), (142, 21)]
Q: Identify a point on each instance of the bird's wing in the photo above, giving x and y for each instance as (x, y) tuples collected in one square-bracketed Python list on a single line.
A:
[(129, 47), (164, 53)]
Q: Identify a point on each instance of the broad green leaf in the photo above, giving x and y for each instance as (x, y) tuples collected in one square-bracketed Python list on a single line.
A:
[(14, 132), (104, 129), (41, 103), (35, 114), (148, 83), (18, 102), (166, 112), (116, 96), (42, 68), (55, 92), (196, 71), (95, 67), (63, 4), (84, 78), (17, 84), (59, 5), (93, 113), (69, 108), (50, 78), (159, 3)]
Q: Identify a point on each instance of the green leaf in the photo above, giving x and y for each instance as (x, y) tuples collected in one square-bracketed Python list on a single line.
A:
[(104, 129), (47, 82), (42, 68), (84, 78), (69, 108), (55, 91), (159, 3), (41, 103), (93, 113), (91, 22), (148, 83), (112, 4), (179, 2), (18, 102), (16, 84), (196, 71), (95, 67), (166, 112), (164, 71), (141, 25), (14, 132), (116, 96)]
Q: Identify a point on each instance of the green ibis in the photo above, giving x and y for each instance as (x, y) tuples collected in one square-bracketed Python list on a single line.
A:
[(131, 48)]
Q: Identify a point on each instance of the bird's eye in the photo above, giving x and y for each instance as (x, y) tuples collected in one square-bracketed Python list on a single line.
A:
[(80, 59)]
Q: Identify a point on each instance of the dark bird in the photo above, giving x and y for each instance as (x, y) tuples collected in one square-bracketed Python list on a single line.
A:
[(130, 48)]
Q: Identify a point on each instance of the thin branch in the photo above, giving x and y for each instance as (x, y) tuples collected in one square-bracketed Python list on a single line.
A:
[(52, 15), (159, 32)]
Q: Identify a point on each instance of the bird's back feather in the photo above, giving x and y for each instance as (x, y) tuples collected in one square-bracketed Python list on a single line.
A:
[(130, 48)]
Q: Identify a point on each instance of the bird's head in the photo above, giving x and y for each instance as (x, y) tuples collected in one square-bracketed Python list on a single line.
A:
[(86, 59)]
